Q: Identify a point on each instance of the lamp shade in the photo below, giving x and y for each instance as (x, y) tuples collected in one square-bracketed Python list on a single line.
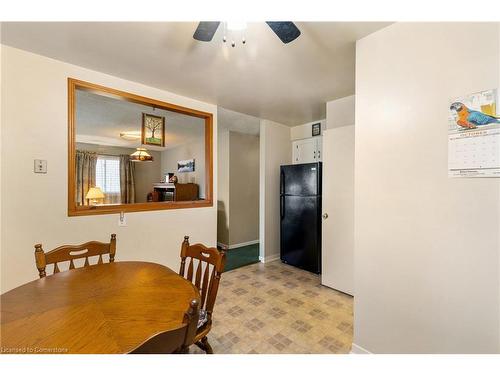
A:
[(141, 155), (94, 193)]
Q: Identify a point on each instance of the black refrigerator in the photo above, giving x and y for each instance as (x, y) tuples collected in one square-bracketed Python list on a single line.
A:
[(300, 214)]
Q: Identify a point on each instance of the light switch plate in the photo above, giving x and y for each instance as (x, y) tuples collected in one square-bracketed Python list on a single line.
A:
[(122, 221), (40, 166)]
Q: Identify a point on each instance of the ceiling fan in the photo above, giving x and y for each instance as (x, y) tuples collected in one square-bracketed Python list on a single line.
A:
[(285, 30)]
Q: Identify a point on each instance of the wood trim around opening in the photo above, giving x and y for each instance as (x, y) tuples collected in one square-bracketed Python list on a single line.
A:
[(74, 210)]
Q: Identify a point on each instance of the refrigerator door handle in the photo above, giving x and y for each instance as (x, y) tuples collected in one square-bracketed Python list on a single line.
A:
[(282, 182), (282, 206)]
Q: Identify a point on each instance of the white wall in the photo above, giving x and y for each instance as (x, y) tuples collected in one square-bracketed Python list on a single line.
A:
[(426, 246), (275, 150), (305, 130), (342, 112), (34, 126), (498, 232)]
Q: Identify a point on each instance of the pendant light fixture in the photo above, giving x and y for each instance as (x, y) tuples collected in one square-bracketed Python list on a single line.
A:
[(141, 155)]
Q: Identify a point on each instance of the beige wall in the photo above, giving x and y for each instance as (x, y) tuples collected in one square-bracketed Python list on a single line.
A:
[(238, 204), (275, 150), (34, 99), (223, 185), (192, 150), (146, 174), (426, 246), (243, 188)]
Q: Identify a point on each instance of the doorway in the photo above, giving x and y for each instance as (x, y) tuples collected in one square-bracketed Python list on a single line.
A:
[(238, 187)]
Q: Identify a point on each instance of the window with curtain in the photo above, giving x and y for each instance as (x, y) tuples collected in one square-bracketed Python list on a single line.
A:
[(107, 177)]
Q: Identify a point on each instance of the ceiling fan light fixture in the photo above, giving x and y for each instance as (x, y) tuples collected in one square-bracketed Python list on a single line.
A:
[(286, 31), (234, 29)]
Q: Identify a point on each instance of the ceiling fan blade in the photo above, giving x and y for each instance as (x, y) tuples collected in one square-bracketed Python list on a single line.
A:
[(206, 30), (285, 30)]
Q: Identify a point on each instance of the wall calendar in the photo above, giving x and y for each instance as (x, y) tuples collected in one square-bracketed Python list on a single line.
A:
[(474, 135)]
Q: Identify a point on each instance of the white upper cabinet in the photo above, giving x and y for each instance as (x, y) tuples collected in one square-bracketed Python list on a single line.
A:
[(319, 148), (307, 150)]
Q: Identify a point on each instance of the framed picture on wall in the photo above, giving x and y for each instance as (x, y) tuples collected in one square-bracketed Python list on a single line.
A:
[(153, 130), (185, 166), (316, 129)]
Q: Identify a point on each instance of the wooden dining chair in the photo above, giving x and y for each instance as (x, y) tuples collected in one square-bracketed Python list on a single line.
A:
[(209, 266), (72, 252), (175, 341)]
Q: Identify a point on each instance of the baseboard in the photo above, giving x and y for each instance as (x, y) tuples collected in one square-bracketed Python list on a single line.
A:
[(356, 349), (269, 258), (237, 245)]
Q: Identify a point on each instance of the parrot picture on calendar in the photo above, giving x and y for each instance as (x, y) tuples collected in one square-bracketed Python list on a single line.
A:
[(471, 119)]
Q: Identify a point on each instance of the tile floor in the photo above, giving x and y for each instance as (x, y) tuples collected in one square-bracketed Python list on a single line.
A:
[(275, 308)]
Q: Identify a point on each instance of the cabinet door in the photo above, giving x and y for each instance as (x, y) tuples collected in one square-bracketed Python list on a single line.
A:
[(295, 153), (304, 151), (319, 148)]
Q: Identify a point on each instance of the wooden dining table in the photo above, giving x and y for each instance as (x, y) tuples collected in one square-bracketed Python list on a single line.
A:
[(105, 308)]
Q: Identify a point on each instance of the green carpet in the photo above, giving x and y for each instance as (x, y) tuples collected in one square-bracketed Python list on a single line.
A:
[(241, 256)]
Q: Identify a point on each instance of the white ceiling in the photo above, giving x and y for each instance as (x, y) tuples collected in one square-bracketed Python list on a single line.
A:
[(263, 78), (101, 119)]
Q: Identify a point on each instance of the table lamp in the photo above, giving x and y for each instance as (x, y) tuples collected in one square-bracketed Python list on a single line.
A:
[(94, 194)]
